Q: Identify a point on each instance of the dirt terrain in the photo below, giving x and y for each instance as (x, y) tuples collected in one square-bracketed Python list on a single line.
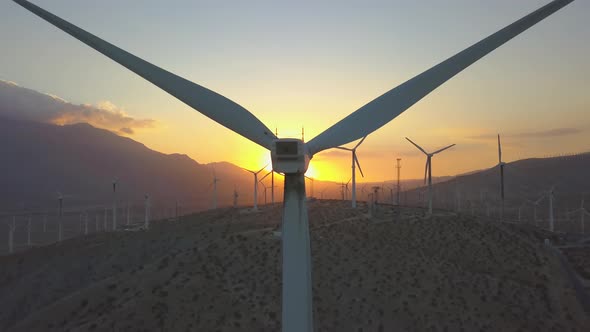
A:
[(221, 271)]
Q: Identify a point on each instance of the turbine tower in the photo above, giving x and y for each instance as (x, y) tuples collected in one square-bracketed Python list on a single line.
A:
[(551, 216), (146, 221), (399, 167), (214, 184), (60, 199), (428, 170), (236, 195), (355, 161), (114, 205), (291, 156), (583, 212), (535, 204), (29, 221), (255, 173), (501, 166), (11, 229), (272, 185)]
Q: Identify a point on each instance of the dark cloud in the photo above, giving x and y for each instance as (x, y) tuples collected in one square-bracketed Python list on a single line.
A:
[(557, 132), (127, 131), (25, 104)]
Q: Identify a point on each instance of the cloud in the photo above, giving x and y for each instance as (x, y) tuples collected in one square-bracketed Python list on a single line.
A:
[(557, 132), (25, 104)]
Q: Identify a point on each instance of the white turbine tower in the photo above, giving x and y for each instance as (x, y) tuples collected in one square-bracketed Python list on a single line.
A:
[(292, 156), (255, 173), (535, 204), (428, 170), (355, 162)]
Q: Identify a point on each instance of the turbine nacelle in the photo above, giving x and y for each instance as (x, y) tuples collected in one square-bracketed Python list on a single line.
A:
[(289, 156)]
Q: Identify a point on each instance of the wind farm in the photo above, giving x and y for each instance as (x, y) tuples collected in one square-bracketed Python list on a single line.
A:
[(212, 252)]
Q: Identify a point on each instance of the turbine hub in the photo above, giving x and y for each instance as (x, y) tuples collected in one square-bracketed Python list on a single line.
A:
[(289, 155)]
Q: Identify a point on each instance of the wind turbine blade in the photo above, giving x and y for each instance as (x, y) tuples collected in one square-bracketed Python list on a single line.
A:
[(418, 146), (267, 174), (342, 148), (441, 150), (348, 182), (260, 170), (385, 108), (247, 170), (356, 160), (359, 143), (211, 104), (499, 151)]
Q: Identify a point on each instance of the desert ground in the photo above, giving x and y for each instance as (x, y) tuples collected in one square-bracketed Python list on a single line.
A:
[(220, 270)]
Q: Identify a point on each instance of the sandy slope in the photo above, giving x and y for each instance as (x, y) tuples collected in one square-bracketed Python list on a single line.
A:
[(221, 271)]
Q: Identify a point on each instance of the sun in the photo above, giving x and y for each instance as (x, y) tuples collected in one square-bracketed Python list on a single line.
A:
[(312, 172)]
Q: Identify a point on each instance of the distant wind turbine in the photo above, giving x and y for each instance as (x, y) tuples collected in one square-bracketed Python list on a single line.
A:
[(236, 195), (146, 221), (583, 212), (535, 204), (29, 225), (428, 170), (255, 173), (355, 162), (214, 184), (11, 229), (292, 156), (115, 205), (501, 166)]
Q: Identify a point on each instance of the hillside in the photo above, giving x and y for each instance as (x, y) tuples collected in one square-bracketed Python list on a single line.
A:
[(524, 179), (81, 162), (221, 270)]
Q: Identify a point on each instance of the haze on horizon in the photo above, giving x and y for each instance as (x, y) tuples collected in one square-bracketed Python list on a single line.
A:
[(310, 65)]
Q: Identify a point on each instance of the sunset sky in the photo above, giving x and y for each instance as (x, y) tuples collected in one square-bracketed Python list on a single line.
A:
[(310, 64)]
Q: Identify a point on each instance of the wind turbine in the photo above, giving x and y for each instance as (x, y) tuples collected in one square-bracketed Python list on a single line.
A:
[(292, 156), (501, 164), (115, 205), (344, 189), (583, 212), (214, 184), (29, 229), (236, 195), (311, 180), (428, 170), (551, 216), (355, 162), (11, 229), (146, 221), (60, 199), (255, 173), (535, 204), (105, 219), (85, 223), (272, 186)]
